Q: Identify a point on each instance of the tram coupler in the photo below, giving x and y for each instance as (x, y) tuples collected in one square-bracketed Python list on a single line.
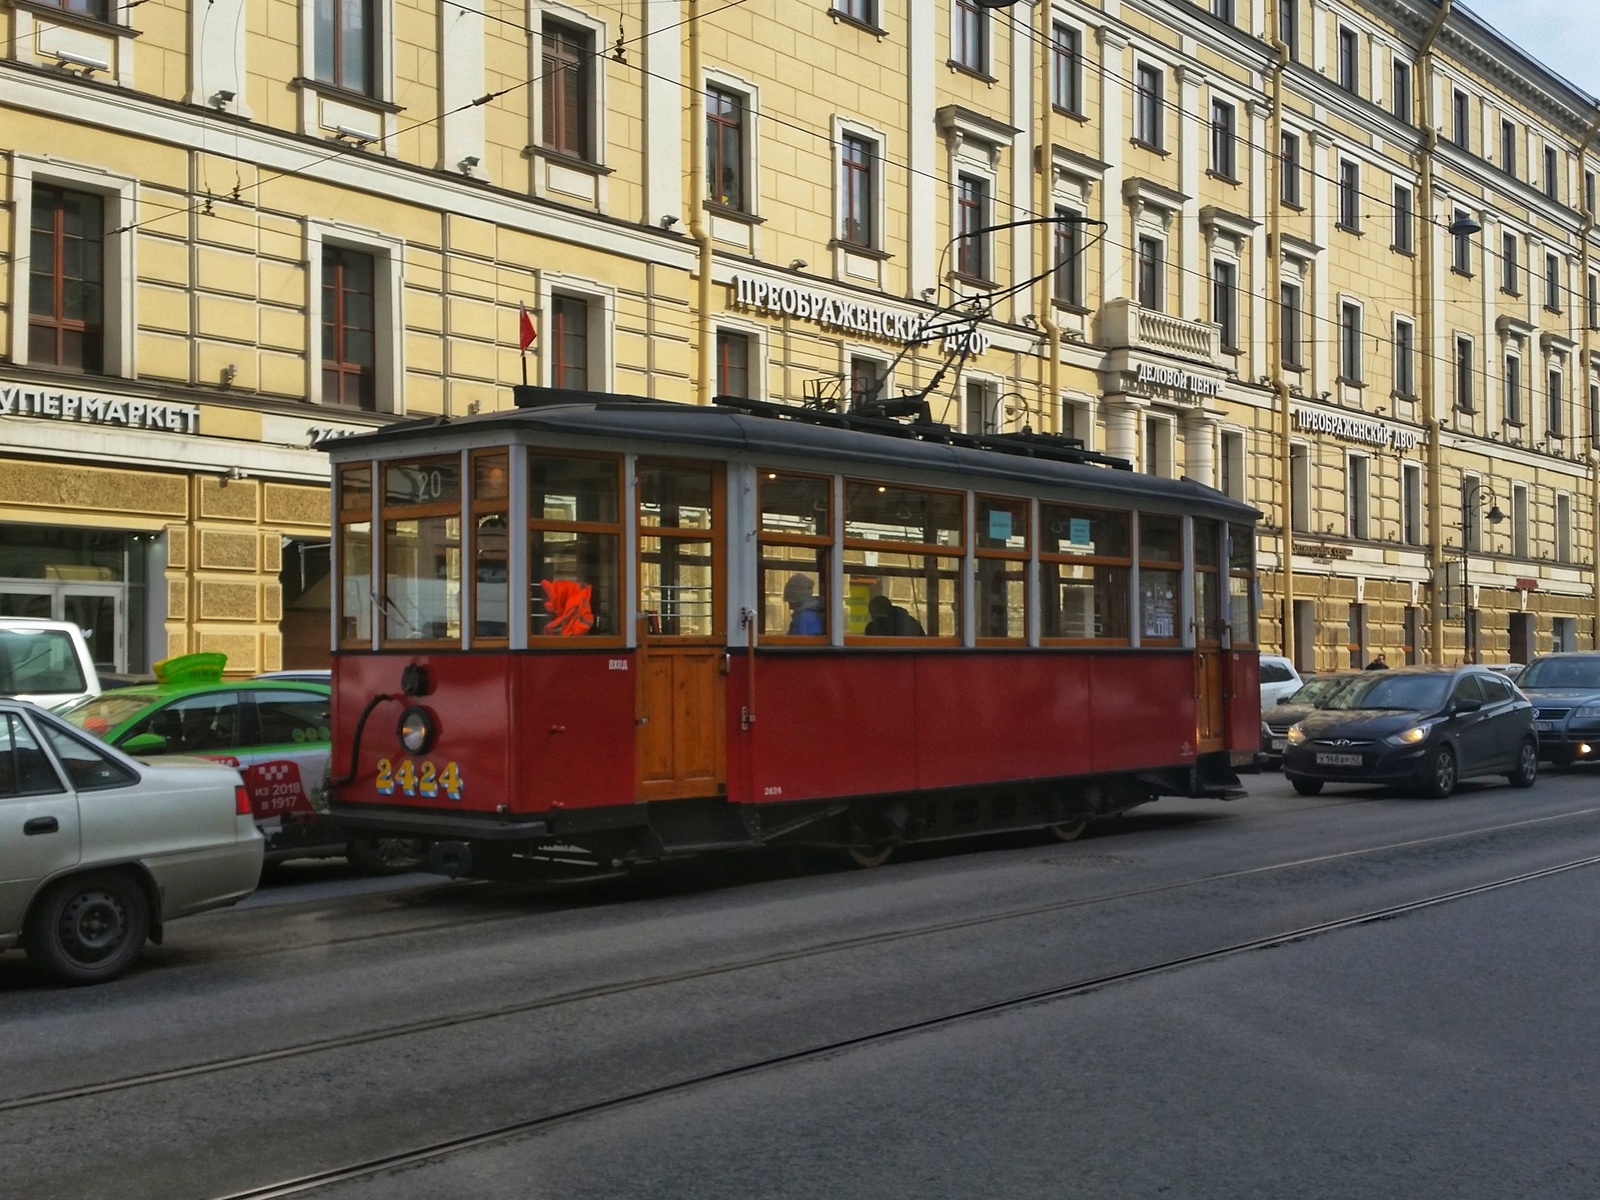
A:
[(450, 858)]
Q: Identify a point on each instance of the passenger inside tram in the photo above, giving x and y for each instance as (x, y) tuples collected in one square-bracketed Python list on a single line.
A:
[(888, 619)]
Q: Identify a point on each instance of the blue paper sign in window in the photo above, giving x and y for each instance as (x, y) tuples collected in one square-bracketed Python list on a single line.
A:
[(1078, 532), (999, 525)]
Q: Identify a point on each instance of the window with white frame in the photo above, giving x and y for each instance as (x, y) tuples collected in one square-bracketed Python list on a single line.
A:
[(1461, 255), (1300, 488), (1349, 195), (1150, 271), (1513, 389), (354, 317), (345, 35), (567, 90), (727, 148), (1563, 634), (1289, 175), (973, 257), (1066, 68), (862, 12), (1552, 282), (1224, 140), (1225, 301), (1404, 219), (982, 416), (570, 345), (1563, 527), (1508, 148), (1519, 520), (66, 273), (1068, 280), (1358, 490), (1222, 10), (1231, 473), (1552, 176), (1351, 367), (1289, 27), (1149, 103), (1349, 59), (1461, 119), (1291, 325), (1593, 295), (1556, 402), (735, 354), (868, 380), (1405, 357), (1400, 89), (1589, 192), (1510, 271), (970, 37), (859, 165), (1466, 367), (1411, 504)]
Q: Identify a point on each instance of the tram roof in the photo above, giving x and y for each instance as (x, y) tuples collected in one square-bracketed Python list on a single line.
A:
[(742, 434)]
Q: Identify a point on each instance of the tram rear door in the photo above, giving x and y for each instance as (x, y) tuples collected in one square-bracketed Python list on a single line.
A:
[(1211, 671), (680, 747)]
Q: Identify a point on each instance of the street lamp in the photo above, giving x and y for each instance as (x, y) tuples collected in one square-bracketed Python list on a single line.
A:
[(1469, 515)]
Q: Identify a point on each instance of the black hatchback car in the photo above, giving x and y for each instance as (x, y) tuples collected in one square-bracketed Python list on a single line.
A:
[(1425, 728)]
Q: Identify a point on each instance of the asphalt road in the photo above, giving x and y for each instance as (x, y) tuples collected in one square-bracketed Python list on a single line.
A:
[(1352, 995)]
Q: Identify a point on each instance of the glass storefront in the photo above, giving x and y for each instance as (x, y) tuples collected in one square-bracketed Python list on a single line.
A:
[(94, 578)]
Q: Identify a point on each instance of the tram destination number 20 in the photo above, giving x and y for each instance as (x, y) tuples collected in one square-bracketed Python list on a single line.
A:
[(425, 778)]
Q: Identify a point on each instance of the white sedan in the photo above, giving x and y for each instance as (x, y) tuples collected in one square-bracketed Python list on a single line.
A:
[(98, 850)]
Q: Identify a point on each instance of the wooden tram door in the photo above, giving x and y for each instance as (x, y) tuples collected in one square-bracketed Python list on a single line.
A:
[(1211, 677), (681, 746)]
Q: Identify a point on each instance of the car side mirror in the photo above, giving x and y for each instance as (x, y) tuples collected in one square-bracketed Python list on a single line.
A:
[(1283, 699), (1467, 706), (144, 743)]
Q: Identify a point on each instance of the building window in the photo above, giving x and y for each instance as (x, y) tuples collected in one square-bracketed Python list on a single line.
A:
[(1404, 219), (1508, 148), (1350, 365), (1222, 10), (972, 219), (1461, 119), (1289, 27), (1300, 488), (1519, 521), (1563, 634), (1349, 60), (1464, 370), (1360, 484), (345, 35), (983, 406), (860, 193), (1224, 157), (866, 381), (569, 345), (567, 103), (1289, 181), (66, 280), (862, 12), (733, 364), (1589, 192), (1290, 325), (1556, 405), (1594, 301), (1066, 69), (1151, 274), (98, 9), (1149, 99), (1552, 282), (1461, 258), (349, 333), (1158, 447), (1510, 272), (1225, 302), (1551, 166), (1402, 91), (1349, 195), (1405, 354), (725, 148), (1411, 504), (1068, 252), (971, 37), (1513, 390), (1594, 417), (1231, 471), (1563, 528)]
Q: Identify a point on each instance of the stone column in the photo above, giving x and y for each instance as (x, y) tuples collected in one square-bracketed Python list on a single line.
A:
[(1122, 427), (1200, 448)]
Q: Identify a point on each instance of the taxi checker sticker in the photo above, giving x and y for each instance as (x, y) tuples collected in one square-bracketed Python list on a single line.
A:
[(276, 787)]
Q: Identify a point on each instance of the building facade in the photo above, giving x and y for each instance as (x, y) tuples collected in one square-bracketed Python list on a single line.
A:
[(1334, 258)]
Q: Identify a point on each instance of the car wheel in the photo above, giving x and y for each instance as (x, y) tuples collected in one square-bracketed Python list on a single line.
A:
[(1307, 787), (386, 855), (868, 856), (89, 928), (1439, 778), (1070, 832), (1527, 772)]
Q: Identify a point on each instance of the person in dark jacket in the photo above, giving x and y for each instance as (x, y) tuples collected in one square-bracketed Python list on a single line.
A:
[(890, 620), (1378, 664)]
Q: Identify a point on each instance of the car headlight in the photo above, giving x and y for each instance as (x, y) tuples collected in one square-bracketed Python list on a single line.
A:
[(1409, 737), (1588, 712), (418, 729), (1296, 736)]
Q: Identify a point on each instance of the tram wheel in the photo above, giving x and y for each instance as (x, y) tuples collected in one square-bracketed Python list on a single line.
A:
[(868, 856), (1069, 832)]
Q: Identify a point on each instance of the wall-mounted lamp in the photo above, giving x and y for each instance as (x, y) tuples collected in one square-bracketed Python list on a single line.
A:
[(221, 100), (1029, 321), (668, 221), (229, 374), (230, 475), (360, 137), (468, 164), (799, 264), (66, 59), (929, 293)]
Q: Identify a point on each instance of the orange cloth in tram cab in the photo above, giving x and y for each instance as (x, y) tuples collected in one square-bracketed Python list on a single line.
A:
[(567, 602)]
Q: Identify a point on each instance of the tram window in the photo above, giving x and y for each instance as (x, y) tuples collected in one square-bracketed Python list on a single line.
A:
[(1241, 585), (491, 544), (1160, 539), (574, 546), (1001, 594), (1160, 554), (1207, 580), (1084, 568), (422, 565), (677, 566), (902, 579), (355, 554), (796, 538)]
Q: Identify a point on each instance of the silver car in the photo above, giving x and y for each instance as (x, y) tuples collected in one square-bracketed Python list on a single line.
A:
[(98, 850)]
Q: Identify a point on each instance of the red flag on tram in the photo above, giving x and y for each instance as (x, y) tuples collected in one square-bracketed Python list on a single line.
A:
[(526, 333)]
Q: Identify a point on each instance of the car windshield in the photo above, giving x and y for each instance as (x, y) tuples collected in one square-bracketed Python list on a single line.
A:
[(1400, 693), (99, 715), (37, 662), (1562, 673), (1318, 692)]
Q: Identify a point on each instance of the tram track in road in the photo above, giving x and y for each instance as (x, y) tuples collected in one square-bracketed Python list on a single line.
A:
[(800, 953), (419, 1155)]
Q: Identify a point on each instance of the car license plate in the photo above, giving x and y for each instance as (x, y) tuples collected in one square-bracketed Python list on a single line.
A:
[(1338, 760), (1277, 743), (1545, 726)]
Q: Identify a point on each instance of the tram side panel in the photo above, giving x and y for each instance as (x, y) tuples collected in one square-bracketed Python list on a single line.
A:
[(1142, 710), (1244, 709), (572, 745)]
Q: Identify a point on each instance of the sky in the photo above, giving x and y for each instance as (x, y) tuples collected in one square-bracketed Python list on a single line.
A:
[(1562, 34)]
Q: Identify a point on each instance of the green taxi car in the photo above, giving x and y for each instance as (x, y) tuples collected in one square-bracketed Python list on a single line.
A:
[(276, 732)]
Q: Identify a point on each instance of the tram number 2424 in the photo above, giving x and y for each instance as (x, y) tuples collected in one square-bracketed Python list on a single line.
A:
[(423, 778)]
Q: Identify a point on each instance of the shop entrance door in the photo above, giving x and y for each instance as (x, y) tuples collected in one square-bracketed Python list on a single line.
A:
[(97, 609), (681, 747)]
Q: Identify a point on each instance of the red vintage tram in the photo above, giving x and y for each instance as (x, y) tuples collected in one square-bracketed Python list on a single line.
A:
[(624, 629)]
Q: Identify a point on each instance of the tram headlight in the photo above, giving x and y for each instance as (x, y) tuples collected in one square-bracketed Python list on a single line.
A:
[(1296, 736), (419, 729)]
